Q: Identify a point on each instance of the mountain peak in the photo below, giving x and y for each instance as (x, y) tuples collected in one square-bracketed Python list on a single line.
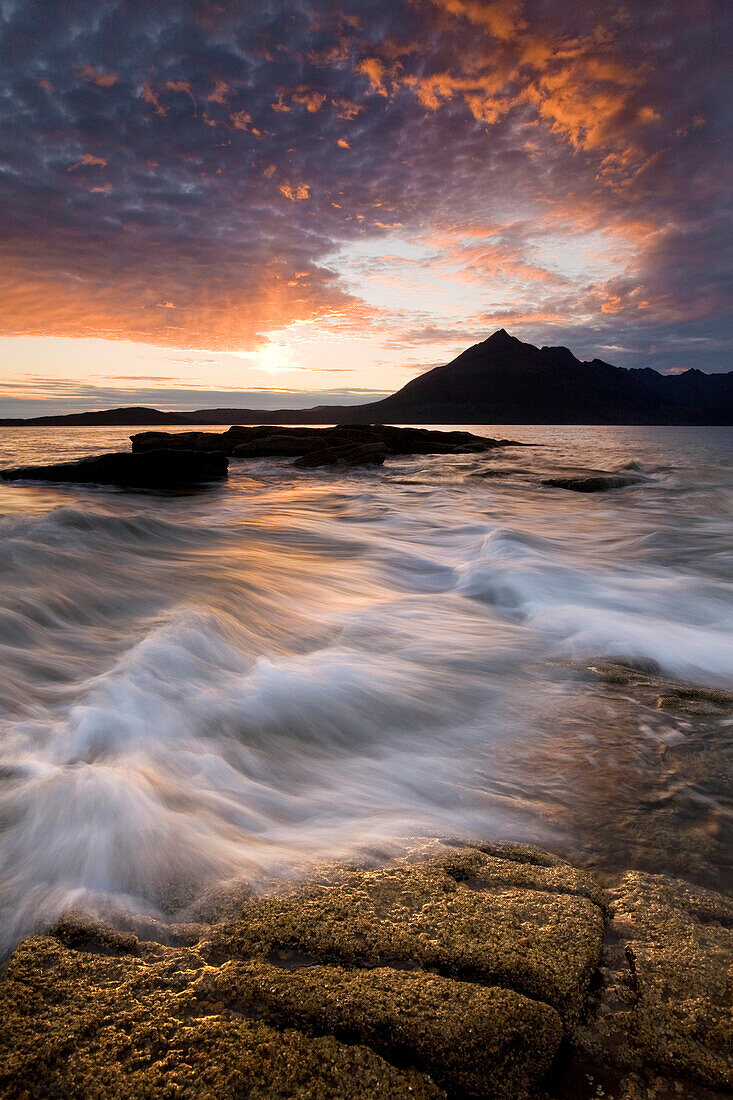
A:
[(501, 336)]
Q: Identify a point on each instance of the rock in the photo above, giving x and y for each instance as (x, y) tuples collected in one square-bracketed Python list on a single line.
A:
[(679, 698), (275, 446), (461, 1035), (595, 483), (690, 699), (666, 1004), (169, 441), (80, 1024), (680, 949), (459, 971), (366, 454), (467, 914), (270, 441), (456, 973), (152, 469)]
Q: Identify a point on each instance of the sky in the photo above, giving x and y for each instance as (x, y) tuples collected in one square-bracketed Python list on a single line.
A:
[(291, 202)]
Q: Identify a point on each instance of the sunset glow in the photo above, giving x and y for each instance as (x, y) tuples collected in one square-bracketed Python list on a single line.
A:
[(203, 204)]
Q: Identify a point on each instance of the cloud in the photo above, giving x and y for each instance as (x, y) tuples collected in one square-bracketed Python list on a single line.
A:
[(101, 79), (39, 396), (149, 95), (88, 160), (296, 192), (557, 168)]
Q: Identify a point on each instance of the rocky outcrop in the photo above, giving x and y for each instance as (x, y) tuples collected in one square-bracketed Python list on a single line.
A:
[(456, 972), (154, 469), (665, 1005), (269, 441), (592, 483), (364, 454)]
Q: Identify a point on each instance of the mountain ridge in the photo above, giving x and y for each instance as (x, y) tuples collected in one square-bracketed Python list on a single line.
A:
[(500, 380)]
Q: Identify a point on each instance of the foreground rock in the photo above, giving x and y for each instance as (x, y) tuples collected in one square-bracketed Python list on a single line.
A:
[(454, 975), (270, 441), (460, 972), (593, 483), (155, 469), (666, 999)]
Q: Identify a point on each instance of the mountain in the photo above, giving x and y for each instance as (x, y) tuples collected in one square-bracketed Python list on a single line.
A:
[(499, 381), (505, 381)]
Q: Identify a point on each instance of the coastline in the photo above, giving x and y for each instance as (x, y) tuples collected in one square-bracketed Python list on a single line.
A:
[(457, 971)]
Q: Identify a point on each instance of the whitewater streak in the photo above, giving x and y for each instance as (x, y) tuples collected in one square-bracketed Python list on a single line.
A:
[(207, 688)]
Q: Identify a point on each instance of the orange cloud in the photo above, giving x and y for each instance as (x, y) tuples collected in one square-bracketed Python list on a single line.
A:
[(180, 86), (241, 120), (149, 96), (33, 303), (88, 160), (347, 109), (311, 100), (220, 92), (101, 79), (343, 143), (501, 17), (374, 70), (581, 88), (296, 192)]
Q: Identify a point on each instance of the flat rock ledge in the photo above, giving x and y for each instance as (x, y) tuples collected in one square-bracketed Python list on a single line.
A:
[(156, 469), (360, 445), (492, 971)]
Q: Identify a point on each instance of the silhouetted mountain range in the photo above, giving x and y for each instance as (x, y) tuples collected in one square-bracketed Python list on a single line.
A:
[(499, 381)]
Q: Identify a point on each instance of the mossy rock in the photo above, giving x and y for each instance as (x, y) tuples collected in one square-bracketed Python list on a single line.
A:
[(459, 971), (466, 914), (455, 973)]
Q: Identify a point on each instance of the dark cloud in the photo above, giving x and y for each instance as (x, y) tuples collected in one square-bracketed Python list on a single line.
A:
[(185, 173)]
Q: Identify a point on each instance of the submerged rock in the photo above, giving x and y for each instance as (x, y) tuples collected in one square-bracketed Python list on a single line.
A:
[(671, 695), (152, 470), (592, 483), (691, 699)]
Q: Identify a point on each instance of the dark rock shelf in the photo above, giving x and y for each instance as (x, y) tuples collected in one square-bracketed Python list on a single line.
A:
[(154, 469), (366, 444)]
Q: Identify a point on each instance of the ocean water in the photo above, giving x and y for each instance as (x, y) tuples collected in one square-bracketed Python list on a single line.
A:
[(205, 689)]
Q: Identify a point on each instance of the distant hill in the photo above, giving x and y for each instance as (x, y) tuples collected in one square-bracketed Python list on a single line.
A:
[(130, 414), (499, 381)]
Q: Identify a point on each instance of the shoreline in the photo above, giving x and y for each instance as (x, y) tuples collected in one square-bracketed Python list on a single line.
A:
[(456, 971)]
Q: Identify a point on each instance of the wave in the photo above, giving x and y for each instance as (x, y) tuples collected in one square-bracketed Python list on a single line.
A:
[(682, 622)]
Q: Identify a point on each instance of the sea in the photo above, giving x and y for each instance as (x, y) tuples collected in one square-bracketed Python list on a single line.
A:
[(212, 690)]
